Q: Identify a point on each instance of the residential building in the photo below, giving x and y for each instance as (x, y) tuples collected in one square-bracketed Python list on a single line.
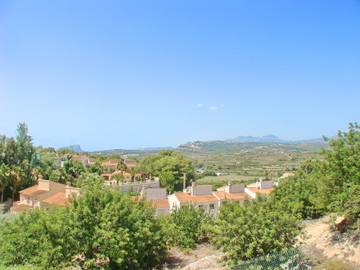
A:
[(45, 194), (110, 165), (231, 192), (125, 176), (158, 199), (260, 188), (130, 163), (200, 196)]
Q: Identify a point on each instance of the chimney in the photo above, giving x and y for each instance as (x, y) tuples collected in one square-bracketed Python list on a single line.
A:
[(184, 181), (44, 185)]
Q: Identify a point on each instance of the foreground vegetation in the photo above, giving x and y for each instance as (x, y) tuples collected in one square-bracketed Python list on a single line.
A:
[(106, 229), (101, 229)]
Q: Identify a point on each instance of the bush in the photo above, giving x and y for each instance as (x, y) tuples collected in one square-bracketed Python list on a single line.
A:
[(253, 229), (186, 227), (351, 208), (298, 195), (101, 229)]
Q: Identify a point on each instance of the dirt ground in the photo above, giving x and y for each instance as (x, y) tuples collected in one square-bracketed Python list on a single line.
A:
[(204, 256), (321, 242)]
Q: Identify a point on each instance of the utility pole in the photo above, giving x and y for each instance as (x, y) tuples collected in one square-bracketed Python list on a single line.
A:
[(184, 181)]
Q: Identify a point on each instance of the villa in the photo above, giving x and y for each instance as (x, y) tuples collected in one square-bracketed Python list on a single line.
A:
[(45, 194), (200, 196), (260, 188), (158, 199), (231, 192)]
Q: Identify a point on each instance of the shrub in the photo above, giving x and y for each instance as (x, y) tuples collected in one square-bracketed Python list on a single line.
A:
[(253, 229), (298, 195), (102, 229), (186, 227)]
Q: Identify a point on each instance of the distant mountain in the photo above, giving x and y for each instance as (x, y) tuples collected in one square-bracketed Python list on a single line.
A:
[(311, 141), (250, 139), (250, 143), (139, 151), (273, 139), (76, 148)]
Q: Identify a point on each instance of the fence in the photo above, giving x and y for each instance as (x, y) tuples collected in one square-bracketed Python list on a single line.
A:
[(291, 260)]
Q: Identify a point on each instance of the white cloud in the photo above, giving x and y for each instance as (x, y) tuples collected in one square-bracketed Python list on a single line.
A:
[(216, 107)]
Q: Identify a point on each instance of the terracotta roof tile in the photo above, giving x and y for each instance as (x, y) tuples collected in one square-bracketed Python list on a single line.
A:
[(236, 196), (30, 190), (203, 198), (17, 208), (265, 191), (58, 199), (187, 198), (160, 203), (183, 197)]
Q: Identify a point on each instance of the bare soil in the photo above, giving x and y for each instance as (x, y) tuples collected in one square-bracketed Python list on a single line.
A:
[(320, 242), (204, 256)]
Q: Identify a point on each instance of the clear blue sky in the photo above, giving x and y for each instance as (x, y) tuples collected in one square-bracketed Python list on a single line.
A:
[(125, 74)]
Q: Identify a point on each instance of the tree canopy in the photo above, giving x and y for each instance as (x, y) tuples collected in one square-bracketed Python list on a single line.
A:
[(170, 167), (102, 229)]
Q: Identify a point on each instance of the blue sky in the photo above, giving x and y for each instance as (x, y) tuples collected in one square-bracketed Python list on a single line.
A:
[(128, 74)]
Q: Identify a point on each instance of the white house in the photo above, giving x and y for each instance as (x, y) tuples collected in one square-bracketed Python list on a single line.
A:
[(200, 196), (231, 192), (262, 187)]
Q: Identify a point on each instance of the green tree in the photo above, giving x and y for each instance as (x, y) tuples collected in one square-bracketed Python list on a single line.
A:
[(4, 180), (73, 169), (254, 229), (170, 167), (186, 227), (102, 229), (298, 195), (342, 168)]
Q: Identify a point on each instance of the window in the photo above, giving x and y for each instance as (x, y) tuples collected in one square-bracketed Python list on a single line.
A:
[(212, 206)]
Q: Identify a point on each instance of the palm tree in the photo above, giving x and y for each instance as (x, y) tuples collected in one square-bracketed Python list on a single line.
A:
[(4, 180), (15, 181)]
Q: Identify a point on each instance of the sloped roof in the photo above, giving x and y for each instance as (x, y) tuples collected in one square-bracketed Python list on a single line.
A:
[(16, 208), (236, 196), (160, 203), (58, 199), (264, 191), (187, 198)]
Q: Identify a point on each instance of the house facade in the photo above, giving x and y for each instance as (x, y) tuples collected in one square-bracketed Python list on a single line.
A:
[(231, 192), (260, 188), (200, 196), (45, 194)]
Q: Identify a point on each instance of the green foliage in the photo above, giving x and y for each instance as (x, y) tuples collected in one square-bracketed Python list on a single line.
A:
[(291, 259), (298, 195), (254, 229), (342, 168), (170, 166), (44, 241), (102, 229), (331, 185), (17, 160), (351, 208), (186, 227)]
